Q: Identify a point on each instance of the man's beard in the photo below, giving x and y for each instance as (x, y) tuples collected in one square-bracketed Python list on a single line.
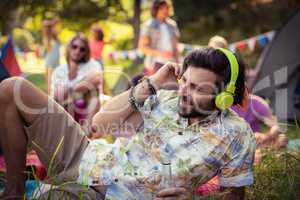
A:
[(194, 111)]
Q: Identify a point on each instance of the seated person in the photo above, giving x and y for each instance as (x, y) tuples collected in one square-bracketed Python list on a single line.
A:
[(192, 130), (257, 112), (76, 84)]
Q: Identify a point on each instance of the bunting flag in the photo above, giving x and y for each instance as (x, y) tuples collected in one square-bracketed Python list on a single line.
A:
[(132, 55), (8, 59), (241, 46), (262, 40), (3, 72), (250, 43)]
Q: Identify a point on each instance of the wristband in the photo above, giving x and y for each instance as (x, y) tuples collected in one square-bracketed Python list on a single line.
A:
[(131, 99)]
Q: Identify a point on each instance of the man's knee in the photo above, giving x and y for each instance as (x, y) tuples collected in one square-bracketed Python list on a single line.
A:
[(8, 87)]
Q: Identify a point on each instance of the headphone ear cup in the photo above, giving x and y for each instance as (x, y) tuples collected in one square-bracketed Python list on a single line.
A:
[(224, 100)]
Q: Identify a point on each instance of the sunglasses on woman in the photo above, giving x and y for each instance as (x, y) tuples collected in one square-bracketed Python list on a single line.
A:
[(81, 49)]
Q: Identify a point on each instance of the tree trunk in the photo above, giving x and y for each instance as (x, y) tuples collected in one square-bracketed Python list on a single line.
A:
[(136, 21), (9, 21)]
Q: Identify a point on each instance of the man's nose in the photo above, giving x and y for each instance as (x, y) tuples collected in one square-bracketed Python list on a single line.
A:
[(183, 89)]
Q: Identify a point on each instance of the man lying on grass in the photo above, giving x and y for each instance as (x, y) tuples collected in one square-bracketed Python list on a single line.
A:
[(187, 129)]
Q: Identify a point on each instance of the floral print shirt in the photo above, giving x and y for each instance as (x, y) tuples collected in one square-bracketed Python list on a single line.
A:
[(222, 144)]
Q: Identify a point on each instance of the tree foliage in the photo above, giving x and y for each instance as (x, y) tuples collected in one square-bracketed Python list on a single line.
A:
[(77, 15), (10, 11), (233, 19)]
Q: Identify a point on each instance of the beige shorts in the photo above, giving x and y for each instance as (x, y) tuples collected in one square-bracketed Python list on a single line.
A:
[(59, 143)]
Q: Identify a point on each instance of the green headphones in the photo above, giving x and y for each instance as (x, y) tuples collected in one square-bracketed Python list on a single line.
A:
[(225, 99)]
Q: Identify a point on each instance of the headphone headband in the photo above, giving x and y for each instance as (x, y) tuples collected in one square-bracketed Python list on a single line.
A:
[(234, 69)]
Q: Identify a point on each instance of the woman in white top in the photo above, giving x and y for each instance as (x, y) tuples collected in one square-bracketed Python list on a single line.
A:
[(76, 84)]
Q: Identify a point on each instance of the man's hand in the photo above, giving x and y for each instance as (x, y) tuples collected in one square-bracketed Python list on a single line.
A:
[(166, 77), (178, 193)]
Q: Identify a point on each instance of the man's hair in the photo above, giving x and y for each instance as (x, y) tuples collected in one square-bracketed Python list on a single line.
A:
[(215, 61), (157, 4), (86, 56)]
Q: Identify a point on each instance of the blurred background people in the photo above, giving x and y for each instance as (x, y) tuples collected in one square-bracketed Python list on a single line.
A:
[(51, 46), (159, 38), (257, 113), (96, 44), (218, 42), (77, 84)]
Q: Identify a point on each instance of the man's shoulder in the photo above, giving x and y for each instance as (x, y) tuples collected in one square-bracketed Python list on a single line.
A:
[(238, 134), (235, 124)]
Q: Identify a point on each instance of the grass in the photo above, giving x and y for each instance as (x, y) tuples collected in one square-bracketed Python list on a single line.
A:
[(38, 80), (277, 177)]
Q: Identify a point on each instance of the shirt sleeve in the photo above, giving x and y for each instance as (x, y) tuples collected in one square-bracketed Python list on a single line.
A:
[(146, 108), (237, 171)]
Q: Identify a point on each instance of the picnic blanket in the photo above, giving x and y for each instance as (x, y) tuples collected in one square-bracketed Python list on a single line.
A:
[(31, 160)]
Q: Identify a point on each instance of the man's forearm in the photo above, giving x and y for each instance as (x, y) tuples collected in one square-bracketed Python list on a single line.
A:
[(118, 110)]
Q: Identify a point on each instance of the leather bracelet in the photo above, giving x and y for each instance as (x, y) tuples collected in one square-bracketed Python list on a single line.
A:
[(132, 99)]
